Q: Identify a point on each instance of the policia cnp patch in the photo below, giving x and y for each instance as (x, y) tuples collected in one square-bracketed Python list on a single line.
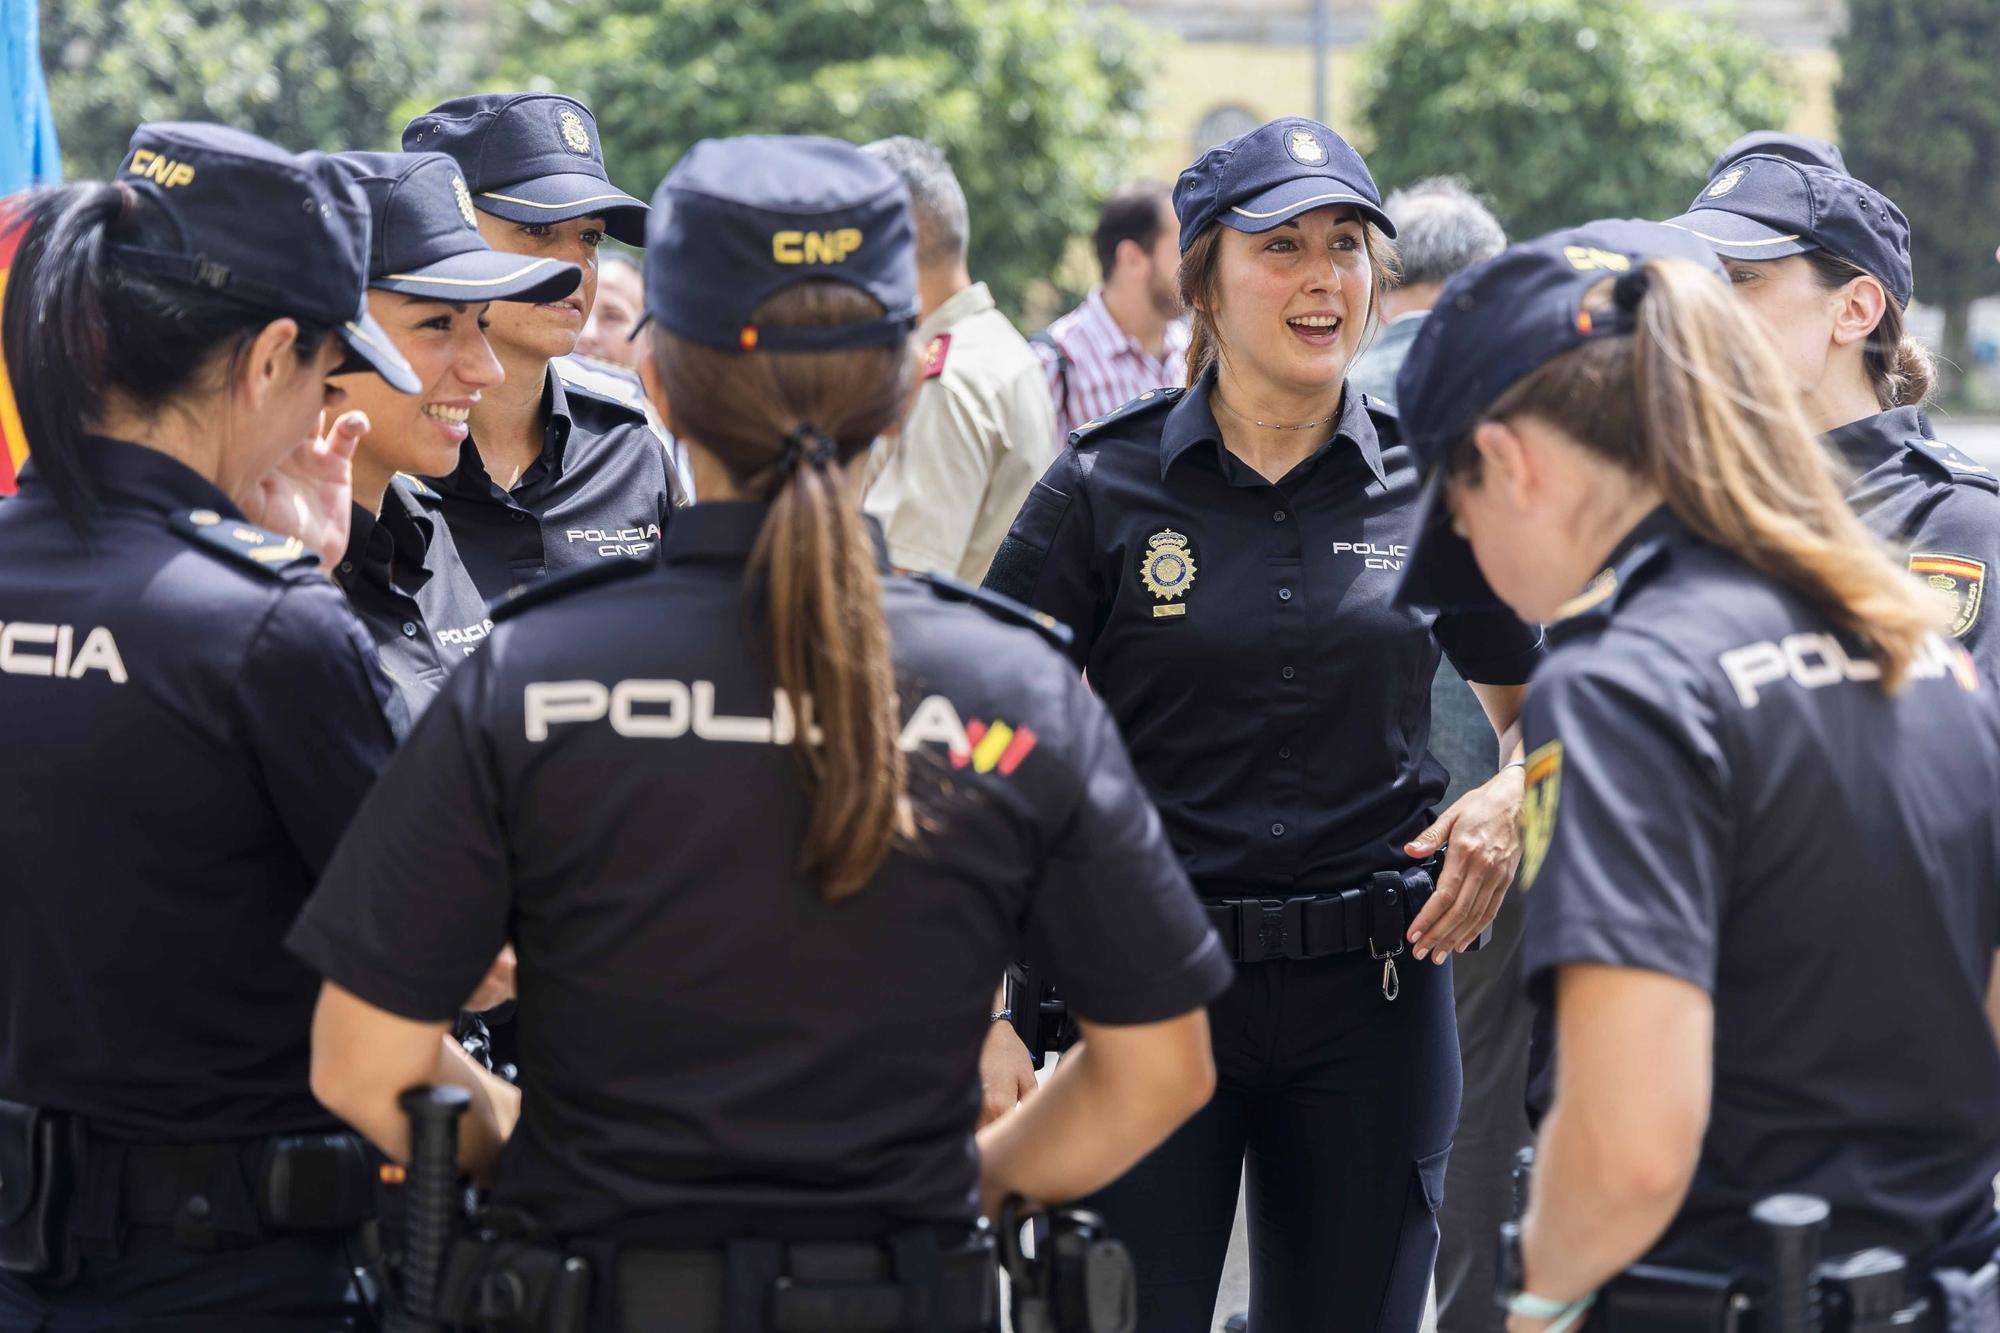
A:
[(1959, 581), (1538, 808)]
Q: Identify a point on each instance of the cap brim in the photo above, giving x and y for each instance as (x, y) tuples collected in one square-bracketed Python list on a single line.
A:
[(369, 348), (561, 198), (1439, 571), (485, 275), (1734, 236), (1281, 203)]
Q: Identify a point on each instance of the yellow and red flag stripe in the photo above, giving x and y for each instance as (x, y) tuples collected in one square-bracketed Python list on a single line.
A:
[(13, 440)]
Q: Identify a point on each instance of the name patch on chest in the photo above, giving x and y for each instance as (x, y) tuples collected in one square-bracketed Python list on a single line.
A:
[(54, 651), (1374, 555), (617, 541)]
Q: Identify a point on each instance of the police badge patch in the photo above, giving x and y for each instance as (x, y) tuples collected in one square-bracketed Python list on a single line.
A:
[(1167, 570), (1958, 581), (1305, 148), (1538, 808), (574, 136), (464, 198), (1726, 182)]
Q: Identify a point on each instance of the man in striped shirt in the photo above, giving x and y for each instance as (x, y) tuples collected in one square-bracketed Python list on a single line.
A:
[(1130, 334)]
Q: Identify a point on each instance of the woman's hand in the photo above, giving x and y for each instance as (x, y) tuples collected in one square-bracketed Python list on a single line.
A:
[(497, 987), (1006, 1072), (311, 494), (1483, 830)]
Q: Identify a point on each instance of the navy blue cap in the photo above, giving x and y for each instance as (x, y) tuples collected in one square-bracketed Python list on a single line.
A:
[(1764, 207), (1777, 143), (424, 239), (737, 220), (529, 157), (280, 232), (1492, 325), (1269, 176)]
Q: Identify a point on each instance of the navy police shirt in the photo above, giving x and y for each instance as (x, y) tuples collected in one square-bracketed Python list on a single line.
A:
[(1719, 790), (600, 490), (708, 1048), (1246, 636), (1938, 505), (191, 714), (403, 577)]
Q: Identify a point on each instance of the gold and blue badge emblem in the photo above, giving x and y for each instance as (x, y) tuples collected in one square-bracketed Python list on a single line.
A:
[(574, 136), (1726, 182), (1167, 569), (1538, 808), (1957, 581), (463, 197), (1305, 148)]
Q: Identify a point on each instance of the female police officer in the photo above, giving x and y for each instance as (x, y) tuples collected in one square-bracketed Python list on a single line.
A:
[(750, 1033), (431, 277), (1757, 827), (191, 715), (1825, 260), (1226, 557)]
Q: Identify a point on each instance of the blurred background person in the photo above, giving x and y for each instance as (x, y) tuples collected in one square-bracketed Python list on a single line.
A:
[(1441, 227), (621, 297)]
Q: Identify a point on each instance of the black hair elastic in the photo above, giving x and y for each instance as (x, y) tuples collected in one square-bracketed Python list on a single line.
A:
[(807, 443), (1630, 289)]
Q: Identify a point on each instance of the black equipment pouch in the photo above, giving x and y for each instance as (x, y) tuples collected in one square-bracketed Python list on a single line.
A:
[(512, 1286), (39, 1152), (1041, 1016), (1649, 1298), (1080, 1279), (316, 1182)]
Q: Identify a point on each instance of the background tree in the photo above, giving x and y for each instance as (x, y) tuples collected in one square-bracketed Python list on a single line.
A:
[(1561, 111), (1036, 102), (1920, 121), (304, 73)]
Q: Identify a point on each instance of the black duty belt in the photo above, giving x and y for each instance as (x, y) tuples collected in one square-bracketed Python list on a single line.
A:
[(1374, 915), (244, 1190)]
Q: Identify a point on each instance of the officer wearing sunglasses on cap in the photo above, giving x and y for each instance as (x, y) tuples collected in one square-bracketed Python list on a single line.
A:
[(190, 713)]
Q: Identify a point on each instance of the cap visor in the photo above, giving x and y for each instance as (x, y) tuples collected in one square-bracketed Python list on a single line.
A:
[(371, 349), (1734, 236), (561, 198), (1440, 571), (1281, 203), (485, 275)]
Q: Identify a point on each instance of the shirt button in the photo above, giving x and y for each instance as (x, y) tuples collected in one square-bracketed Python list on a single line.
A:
[(1278, 516), (1277, 830), (347, 566), (1284, 752), (520, 515), (1284, 594), (409, 630), (1288, 673)]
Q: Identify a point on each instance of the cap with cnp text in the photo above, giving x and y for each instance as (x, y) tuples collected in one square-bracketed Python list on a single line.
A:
[(529, 157), (738, 220), (1269, 176), (1770, 207), (280, 232), (1777, 143), (1492, 325), (424, 240)]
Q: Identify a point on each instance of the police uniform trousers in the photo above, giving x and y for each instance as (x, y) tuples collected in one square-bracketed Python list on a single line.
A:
[(1341, 1103), (292, 1284)]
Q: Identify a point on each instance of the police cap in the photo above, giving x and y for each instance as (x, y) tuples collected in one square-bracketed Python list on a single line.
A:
[(1492, 325), (1777, 143), (737, 220), (529, 157), (425, 241), (1269, 176), (1764, 207), (280, 232)]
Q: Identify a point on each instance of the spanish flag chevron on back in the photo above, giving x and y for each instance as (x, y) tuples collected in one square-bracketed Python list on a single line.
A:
[(13, 441)]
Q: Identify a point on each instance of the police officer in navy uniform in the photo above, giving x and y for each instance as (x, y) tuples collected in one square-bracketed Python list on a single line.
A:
[(557, 473), (1760, 845), (432, 279), (1227, 557), (1780, 143), (751, 1048), (192, 714), (1825, 260)]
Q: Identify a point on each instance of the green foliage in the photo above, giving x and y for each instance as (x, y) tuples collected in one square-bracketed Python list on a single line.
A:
[(1036, 103), (1561, 111), (303, 73)]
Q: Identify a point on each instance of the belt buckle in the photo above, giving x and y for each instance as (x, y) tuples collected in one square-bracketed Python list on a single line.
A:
[(1260, 928)]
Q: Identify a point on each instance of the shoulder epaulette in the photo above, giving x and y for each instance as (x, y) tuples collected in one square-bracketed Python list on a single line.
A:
[(1000, 607), (545, 590), (245, 543), (1592, 608), (1952, 462), (415, 485), (614, 384), (1153, 400), (1380, 410)]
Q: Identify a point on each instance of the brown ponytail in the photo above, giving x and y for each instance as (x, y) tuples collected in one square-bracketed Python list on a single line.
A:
[(1900, 369), (782, 423), (1685, 404)]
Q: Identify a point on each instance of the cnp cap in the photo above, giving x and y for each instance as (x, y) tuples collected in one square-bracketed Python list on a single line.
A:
[(1269, 176), (425, 241), (1764, 207), (1777, 143), (281, 232), (529, 157), (737, 220), (1492, 325)]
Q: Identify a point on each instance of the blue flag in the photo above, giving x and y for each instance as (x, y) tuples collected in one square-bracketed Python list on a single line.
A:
[(28, 154)]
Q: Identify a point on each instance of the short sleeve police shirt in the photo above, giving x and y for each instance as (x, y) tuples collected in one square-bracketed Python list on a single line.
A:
[(599, 491), (1246, 637), (1719, 790), (196, 714), (1940, 506), (706, 1044)]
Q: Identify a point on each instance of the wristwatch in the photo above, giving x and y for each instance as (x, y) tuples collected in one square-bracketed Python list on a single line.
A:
[(1511, 1278)]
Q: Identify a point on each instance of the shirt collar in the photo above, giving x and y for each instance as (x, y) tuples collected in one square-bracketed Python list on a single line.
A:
[(1191, 421), (725, 532), (138, 477), (1098, 315), (1875, 440), (470, 476), (973, 300)]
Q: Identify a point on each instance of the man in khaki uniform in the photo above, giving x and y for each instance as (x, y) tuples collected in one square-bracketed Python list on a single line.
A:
[(982, 431)]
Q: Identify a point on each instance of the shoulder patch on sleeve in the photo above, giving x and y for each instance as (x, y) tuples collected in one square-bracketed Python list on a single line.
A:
[(1000, 607), (614, 384), (545, 590), (244, 543), (1953, 462), (1153, 400), (934, 354)]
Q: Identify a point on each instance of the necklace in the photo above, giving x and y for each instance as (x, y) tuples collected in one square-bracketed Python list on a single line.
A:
[(1276, 425)]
